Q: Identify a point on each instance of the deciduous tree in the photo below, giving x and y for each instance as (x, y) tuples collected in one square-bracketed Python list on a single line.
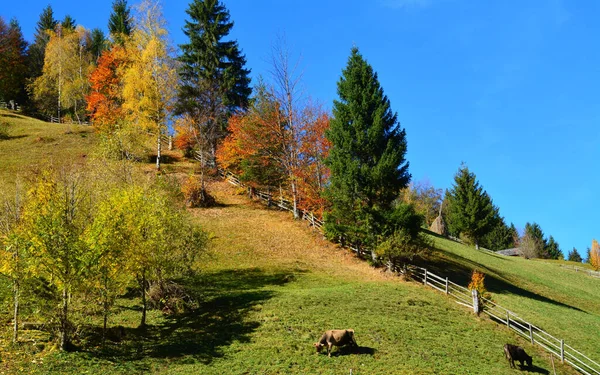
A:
[(594, 257), (149, 82)]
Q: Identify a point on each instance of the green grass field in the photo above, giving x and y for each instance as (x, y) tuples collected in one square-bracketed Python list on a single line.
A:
[(270, 286), (559, 300)]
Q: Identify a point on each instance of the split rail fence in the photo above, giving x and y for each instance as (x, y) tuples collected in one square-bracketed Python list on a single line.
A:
[(463, 296), (584, 270)]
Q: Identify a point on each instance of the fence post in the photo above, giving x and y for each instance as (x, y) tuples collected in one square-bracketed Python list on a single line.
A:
[(475, 295), (531, 334), (446, 285), (425, 279), (507, 318), (562, 351)]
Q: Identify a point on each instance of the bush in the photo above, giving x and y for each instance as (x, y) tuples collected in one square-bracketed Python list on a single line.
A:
[(195, 194), (169, 297)]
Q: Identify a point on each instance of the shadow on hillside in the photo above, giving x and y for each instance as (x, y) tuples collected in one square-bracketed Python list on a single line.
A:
[(9, 137), (534, 370), (345, 350), (10, 115), (459, 269), (226, 298)]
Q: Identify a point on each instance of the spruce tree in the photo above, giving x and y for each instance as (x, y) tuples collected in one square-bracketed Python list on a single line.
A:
[(68, 23), (120, 22), (13, 63), (214, 80), (366, 158), (535, 233), (552, 249), (574, 256), (37, 51), (97, 43), (471, 211)]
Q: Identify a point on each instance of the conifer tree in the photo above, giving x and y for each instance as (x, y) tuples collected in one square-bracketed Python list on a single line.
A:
[(574, 256), (13, 62), (68, 23), (214, 80), (471, 211), (37, 51), (552, 249), (536, 236), (97, 43), (120, 21), (366, 158)]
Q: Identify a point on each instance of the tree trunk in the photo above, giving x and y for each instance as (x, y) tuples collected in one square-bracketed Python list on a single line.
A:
[(295, 199), (144, 302), (64, 339), (476, 245), (158, 150), (16, 312)]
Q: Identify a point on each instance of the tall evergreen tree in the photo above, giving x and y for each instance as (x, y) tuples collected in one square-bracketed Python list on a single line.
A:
[(214, 80), (366, 158), (68, 23), (536, 235), (574, 256), (471, 211), (37, 51), (120, 21), (97, 43), (13, 63), (500, 237), (552, 249)]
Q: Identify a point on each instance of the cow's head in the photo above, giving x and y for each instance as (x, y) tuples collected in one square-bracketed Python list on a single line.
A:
[(318, 346)]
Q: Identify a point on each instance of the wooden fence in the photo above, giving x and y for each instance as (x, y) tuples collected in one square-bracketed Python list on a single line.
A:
[(584, 270), (463, 296), (459, 293)]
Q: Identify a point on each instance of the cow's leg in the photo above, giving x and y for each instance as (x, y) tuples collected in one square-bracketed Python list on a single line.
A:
[(329, 347), (512, 363)]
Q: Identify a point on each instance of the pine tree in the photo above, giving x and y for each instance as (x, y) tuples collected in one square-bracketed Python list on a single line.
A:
[(574, 256), (97, 43), (536, 235), (13, 63), (471, 211), (214, 81), (68, 23), (37, 50), (552, 249), (120, 22), (366, 158)]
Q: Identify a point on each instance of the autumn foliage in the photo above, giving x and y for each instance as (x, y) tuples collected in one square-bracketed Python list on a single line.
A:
[(104, 104), (595, 255)]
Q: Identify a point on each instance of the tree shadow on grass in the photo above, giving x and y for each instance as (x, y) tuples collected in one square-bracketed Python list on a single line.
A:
[(458, 269), (225, 300), (534, 370)]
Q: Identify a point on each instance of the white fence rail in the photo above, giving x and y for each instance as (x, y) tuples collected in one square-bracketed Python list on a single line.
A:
[(534, 334), (583, 270), (459, 293)]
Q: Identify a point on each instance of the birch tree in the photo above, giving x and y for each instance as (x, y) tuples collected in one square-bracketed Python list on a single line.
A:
[(149, 82)]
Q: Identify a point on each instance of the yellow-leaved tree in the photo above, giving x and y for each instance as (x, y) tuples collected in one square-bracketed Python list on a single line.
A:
[(595, 255), (150, 79), (64, 83)]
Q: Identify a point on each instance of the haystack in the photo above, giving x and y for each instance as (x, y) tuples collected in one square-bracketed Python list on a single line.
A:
[(438, 226)]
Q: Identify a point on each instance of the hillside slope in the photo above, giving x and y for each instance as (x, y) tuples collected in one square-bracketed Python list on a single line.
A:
[(559, 300)]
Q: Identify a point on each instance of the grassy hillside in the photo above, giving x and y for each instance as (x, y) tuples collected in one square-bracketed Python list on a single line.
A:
[(32, 143), (559, 300), (269, 288)]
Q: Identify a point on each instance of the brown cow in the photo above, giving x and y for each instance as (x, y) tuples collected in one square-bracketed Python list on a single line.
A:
[(337, 337), (516, 353)]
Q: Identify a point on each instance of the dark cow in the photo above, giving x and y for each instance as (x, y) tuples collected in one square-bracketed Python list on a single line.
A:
[(516, 353), (337, 337)]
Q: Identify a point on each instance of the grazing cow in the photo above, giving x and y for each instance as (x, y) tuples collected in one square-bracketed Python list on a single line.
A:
[(337, 337), (516, 353)]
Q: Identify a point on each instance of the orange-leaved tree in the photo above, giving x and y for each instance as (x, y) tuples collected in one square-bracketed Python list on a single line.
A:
[(314, 148), (104, 103)]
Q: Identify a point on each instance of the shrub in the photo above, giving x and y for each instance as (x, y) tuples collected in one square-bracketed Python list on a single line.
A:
[(169, 297), (478, 283), (195, 194)]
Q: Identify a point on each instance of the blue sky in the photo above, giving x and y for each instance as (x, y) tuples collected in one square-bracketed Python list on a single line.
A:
[(512, 88)]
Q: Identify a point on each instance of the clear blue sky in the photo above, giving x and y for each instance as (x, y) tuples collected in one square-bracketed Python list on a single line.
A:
[(512, 88)]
